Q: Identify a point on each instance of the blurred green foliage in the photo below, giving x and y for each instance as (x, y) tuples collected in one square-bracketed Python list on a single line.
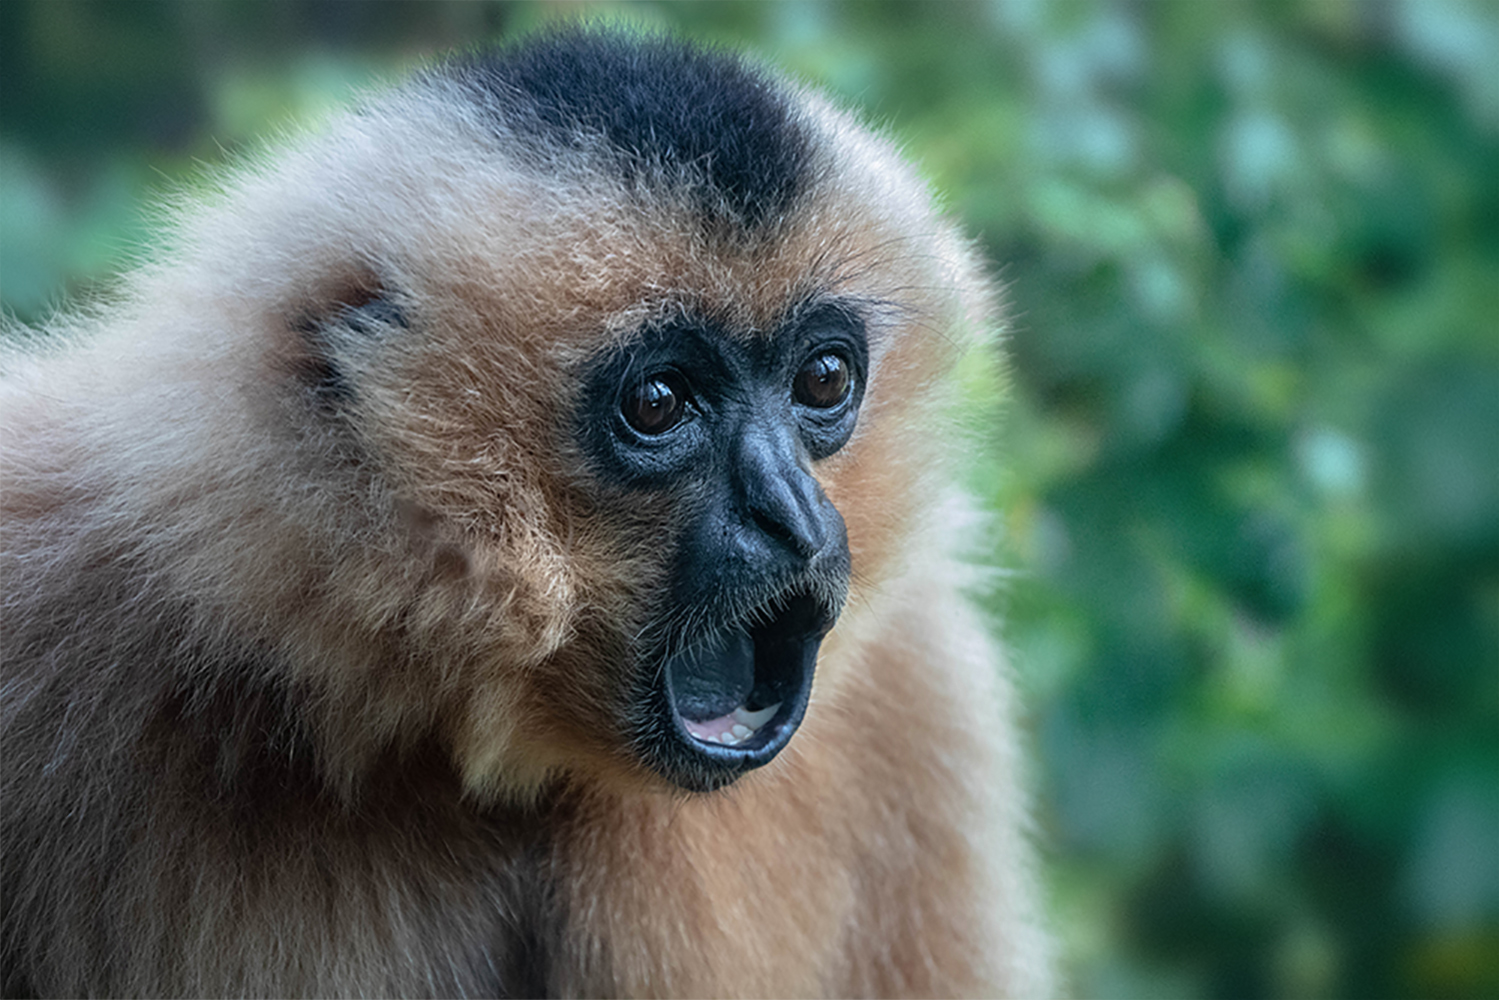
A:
[(1249, 470)]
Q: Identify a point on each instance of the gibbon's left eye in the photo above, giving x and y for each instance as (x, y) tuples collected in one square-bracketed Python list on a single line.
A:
[(823, 382), (656, 404)]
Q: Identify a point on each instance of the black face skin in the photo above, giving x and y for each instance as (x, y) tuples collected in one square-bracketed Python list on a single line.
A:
[(724, 430)]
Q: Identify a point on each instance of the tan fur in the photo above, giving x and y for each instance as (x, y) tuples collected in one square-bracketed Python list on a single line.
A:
[(405, 634)]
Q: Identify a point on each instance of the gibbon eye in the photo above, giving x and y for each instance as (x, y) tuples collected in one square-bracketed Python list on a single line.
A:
[(656, 404), (823, 382)]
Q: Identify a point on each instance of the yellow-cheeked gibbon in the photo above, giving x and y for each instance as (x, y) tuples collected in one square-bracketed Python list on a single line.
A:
[(503, 546)]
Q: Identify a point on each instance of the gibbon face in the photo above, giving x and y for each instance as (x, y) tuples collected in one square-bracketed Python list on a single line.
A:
[(620, 331), (725, 430)]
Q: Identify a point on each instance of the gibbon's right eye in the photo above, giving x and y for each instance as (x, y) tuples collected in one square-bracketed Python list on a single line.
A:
[(823, 382), (656, 404)]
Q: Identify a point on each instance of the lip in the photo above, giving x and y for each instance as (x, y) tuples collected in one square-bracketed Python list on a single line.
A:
[(733, 699)]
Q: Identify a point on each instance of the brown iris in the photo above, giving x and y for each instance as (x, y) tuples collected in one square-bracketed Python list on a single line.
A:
[(656, 404), (823, 382)]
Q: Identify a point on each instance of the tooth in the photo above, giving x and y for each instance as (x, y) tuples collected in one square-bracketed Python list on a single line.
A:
[(754, 720), (741, 731), (728, 739)]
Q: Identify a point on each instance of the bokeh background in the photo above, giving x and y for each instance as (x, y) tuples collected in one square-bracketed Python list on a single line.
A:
[(1247, 468)]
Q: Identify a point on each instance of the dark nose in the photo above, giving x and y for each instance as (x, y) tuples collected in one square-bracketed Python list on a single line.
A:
[(781, 498)]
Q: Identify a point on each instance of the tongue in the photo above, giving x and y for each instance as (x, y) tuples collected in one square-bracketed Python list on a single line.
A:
[(710, 680)]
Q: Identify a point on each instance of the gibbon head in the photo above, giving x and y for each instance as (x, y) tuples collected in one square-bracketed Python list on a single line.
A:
[(614, 371)]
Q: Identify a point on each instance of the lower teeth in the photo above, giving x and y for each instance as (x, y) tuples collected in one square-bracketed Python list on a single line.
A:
[(745, 725)]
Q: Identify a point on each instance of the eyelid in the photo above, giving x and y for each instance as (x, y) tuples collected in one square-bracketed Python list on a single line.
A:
[(847, 341)]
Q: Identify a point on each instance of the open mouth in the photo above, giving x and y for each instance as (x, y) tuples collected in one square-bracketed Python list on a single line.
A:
[(737, 697)]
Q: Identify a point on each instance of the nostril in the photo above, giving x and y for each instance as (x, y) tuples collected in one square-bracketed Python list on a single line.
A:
[(781, 532)]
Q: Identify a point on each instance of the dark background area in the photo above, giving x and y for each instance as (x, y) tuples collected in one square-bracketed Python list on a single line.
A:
[(1247, 467)]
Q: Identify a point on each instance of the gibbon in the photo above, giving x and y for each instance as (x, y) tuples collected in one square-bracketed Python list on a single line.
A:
[(504, 544)]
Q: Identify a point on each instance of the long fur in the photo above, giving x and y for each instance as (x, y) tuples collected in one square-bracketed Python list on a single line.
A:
[(313, 616)]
